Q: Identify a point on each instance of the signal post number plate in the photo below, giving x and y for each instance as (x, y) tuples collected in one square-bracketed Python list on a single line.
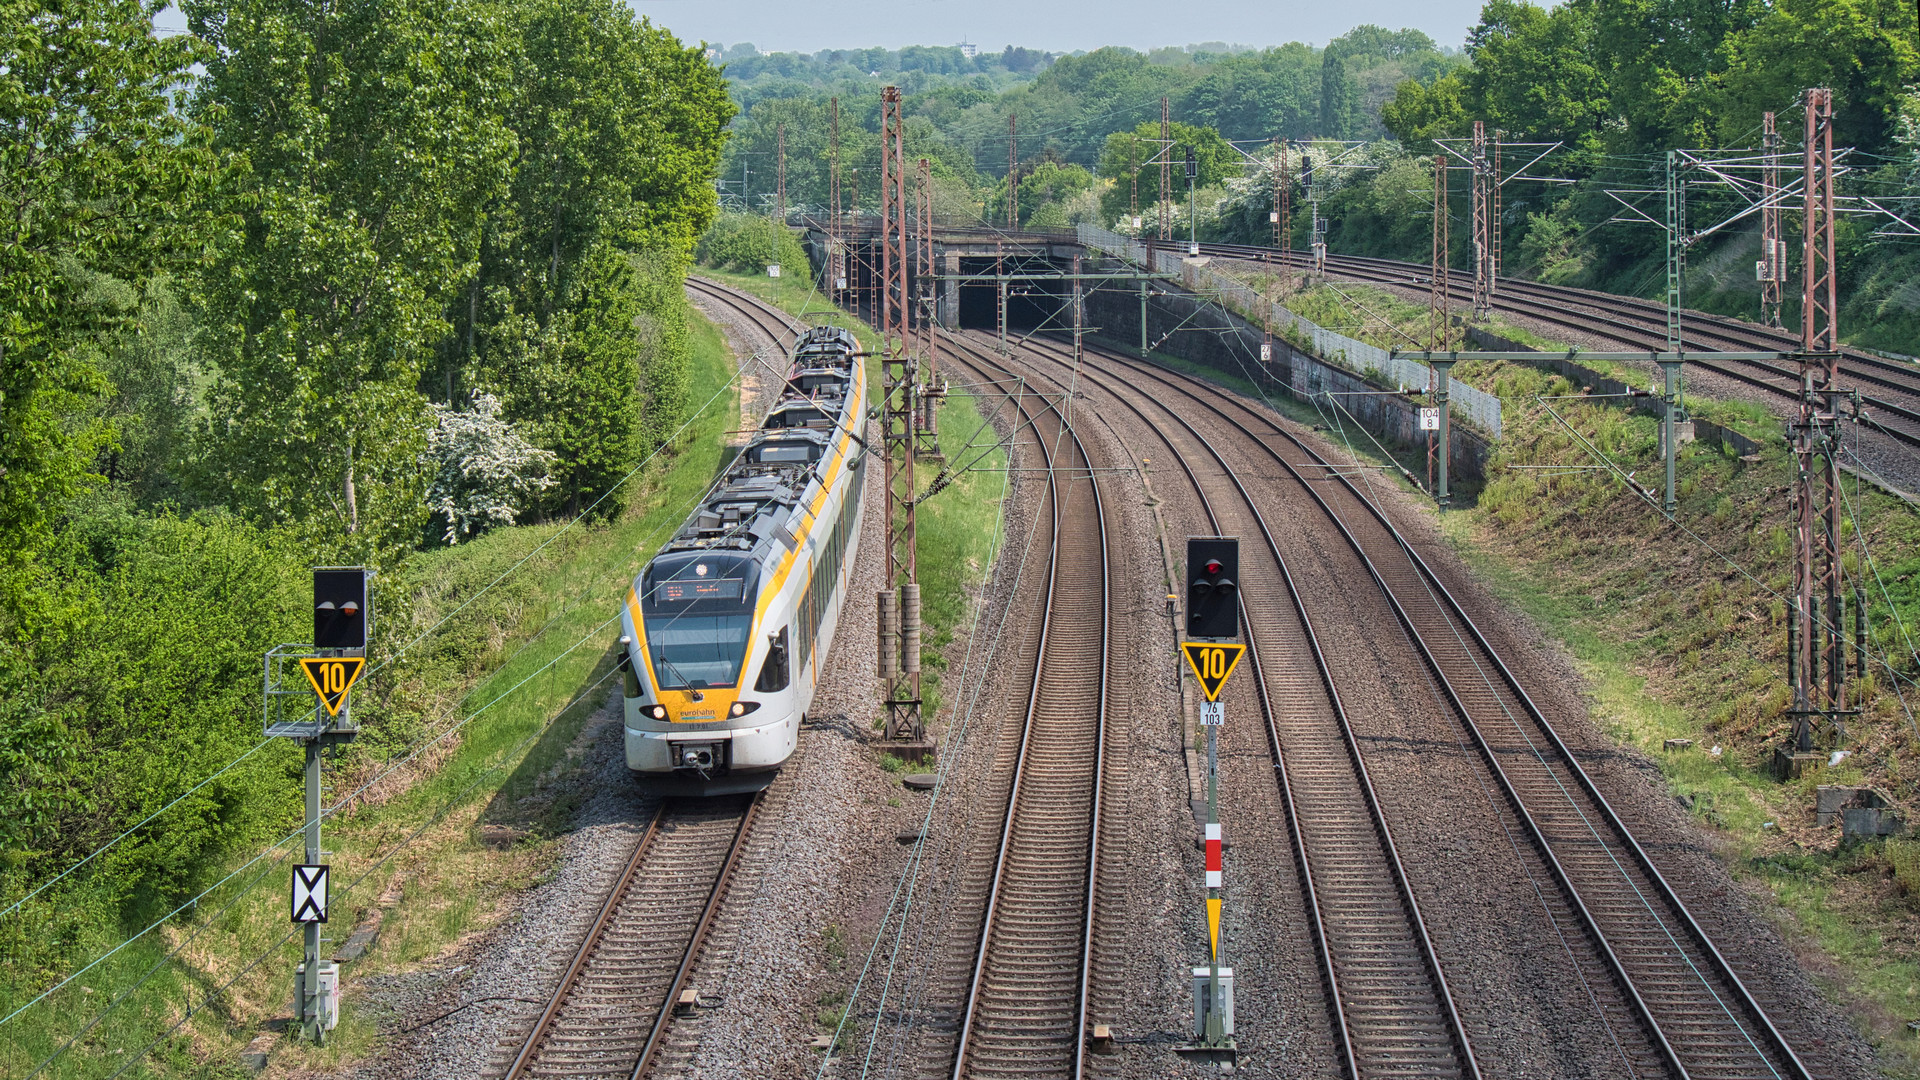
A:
[(1213, 713), (1429, 419)]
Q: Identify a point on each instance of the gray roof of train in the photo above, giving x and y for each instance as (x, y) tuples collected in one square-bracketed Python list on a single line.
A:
[(751, 507)]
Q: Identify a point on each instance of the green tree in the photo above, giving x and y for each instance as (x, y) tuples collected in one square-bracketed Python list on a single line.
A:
[(576, 321), (1535, 73), (1419, 114), (99, 175), (154, 402), (366, 161), (108, 707), (1127, 153), (1339, 95), (1863, 50), (1259, 94), (755, 142), (1658, 58), (1390, 212), (1048, 186), (749, 243)]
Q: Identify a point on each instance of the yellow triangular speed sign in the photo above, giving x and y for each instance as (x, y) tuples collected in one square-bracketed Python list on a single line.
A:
[(332, 677), (1212, 662)]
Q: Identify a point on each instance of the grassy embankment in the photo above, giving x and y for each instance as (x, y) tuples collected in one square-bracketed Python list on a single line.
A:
[(1679, 631), (956, 528), (442, 844)]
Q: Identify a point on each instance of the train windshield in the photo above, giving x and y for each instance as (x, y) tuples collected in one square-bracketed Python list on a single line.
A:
[(698, 611)]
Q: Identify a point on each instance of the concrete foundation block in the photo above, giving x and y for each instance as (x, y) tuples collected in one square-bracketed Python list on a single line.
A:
[(1861, 812), (1788, 765)]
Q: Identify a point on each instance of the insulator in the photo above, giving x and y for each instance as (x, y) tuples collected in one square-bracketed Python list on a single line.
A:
[(889, 612), (910, 628)]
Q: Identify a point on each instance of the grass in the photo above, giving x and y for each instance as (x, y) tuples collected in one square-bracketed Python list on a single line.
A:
[(423, 846), (957, 528)]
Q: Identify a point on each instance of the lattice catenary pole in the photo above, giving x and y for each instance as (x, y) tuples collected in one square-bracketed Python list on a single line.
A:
[(927, 395), (861, 254), (1279, 182), (1285, 243), (1494, 223), (1013, 172), (780, 184), (1438, 332), (836, 231), (1772, 266), (1676, 250), (1482, 224), (1816, 571), (1166, 171), (900, 383)]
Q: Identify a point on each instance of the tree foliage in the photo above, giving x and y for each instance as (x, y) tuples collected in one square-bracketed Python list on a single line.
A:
[(99, 174), (364, 167), (574, 318), (1128, 154), (230, 296), (1068, 110), (749, 243)]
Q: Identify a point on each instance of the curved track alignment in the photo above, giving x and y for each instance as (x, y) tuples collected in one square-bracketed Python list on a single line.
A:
[(1890, 389), (1026, 1006), (1701, 1018), (1392, 1009)]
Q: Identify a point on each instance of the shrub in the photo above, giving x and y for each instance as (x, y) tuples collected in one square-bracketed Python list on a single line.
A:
[(485, 473), (747, 243)]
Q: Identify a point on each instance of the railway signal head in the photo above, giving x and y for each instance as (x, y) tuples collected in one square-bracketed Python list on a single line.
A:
[(341, 617), (1213, 591), (1193, 167)]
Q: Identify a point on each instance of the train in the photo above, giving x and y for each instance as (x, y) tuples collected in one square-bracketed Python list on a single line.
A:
[(726, 627)]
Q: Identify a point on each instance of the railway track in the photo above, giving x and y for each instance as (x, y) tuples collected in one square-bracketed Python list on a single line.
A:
[(611, 1011), (1026, 1008), (776, 325), (1026, 1004), (1699, 1018), (1390, 1006), (1891, 390)]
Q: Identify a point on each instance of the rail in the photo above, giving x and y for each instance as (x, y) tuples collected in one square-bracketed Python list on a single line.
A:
[(613, 1006), (1695, 991), (1367, 924), (1012, 1023)]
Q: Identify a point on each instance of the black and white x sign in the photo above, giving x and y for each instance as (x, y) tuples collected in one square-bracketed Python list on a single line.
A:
[(309, 894)]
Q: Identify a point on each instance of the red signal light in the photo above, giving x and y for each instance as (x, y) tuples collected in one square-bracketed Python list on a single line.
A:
[(1214, 566)]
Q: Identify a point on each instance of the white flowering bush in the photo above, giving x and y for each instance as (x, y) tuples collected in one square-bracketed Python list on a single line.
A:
[(484, 471)]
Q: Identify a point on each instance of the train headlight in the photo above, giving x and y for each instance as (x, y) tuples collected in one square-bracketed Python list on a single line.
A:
[(654, 712), (742, 708)]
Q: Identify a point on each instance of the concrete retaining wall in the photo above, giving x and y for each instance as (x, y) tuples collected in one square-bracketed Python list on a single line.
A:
[(1194, 330)]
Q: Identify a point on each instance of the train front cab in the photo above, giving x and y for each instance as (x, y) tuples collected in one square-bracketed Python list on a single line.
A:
[(686, 708)]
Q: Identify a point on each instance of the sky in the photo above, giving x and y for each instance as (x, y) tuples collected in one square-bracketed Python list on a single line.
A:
[(1052, 25)]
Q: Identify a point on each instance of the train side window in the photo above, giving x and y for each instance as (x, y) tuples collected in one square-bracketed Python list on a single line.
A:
[(773, 673)]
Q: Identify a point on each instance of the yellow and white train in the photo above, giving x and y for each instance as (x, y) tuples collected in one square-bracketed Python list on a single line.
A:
[(725, 630)]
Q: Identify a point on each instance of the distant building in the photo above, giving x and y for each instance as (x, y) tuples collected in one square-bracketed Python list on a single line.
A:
[(969, 50)]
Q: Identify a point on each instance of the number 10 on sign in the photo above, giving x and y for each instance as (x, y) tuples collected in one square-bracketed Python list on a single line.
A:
[(1211, 663)]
